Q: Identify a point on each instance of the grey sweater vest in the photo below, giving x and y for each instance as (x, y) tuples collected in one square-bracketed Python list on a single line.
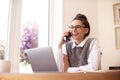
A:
[(78, 56)]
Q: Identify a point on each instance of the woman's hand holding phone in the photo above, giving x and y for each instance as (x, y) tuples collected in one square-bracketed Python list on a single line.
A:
[(65, 37), (68, 37)]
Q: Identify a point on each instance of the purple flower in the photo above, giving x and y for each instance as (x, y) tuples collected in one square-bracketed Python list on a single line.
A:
[(29, 38)]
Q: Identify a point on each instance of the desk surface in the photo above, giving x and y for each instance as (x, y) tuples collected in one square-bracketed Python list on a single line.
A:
[(62, 76)]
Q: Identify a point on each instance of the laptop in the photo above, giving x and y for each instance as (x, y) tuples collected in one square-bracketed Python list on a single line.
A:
[(42, 59)]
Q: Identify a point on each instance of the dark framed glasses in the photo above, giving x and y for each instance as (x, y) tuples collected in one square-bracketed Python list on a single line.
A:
[(78, 27)]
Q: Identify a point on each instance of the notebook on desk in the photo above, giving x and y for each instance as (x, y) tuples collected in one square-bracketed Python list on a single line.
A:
[(42, 59)]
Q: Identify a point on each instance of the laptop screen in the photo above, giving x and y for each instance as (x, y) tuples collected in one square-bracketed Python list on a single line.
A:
[(42, 59)]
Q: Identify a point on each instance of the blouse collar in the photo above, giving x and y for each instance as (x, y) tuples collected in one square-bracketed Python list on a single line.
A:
[(80, 44)]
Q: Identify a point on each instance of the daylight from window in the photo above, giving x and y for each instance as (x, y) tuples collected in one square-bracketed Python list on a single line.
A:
[(34, 28), (4, 9)]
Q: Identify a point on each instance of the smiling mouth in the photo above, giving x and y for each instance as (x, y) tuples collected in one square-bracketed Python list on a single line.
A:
[(75, 34)]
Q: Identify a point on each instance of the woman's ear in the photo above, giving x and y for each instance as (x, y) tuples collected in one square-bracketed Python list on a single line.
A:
[(86, 30)]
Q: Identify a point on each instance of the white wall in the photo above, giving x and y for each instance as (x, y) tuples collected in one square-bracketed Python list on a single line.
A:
[(89, 8), (100, 16), (111, 55)]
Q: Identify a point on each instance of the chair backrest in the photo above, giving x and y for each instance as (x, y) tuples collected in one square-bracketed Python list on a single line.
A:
[(99, 68)]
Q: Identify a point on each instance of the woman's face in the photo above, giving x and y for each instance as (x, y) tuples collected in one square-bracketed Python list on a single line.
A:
[(77, 30)]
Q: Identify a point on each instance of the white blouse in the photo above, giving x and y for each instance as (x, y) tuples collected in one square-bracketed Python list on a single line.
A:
[(94, 58)]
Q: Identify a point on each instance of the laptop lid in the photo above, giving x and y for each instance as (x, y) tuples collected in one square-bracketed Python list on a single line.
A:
[(42, 59)]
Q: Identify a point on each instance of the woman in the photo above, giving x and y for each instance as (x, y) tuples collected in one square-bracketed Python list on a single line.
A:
[(80, 53)]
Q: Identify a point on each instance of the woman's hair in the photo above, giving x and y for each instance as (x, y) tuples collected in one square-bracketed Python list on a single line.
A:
[(84, 20)]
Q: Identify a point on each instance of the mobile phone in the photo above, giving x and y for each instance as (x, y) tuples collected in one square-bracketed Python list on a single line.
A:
[(68, 37)]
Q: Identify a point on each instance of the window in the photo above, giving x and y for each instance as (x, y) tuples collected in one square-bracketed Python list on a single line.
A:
[(34, 26), (15, 14), (4, 10)]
